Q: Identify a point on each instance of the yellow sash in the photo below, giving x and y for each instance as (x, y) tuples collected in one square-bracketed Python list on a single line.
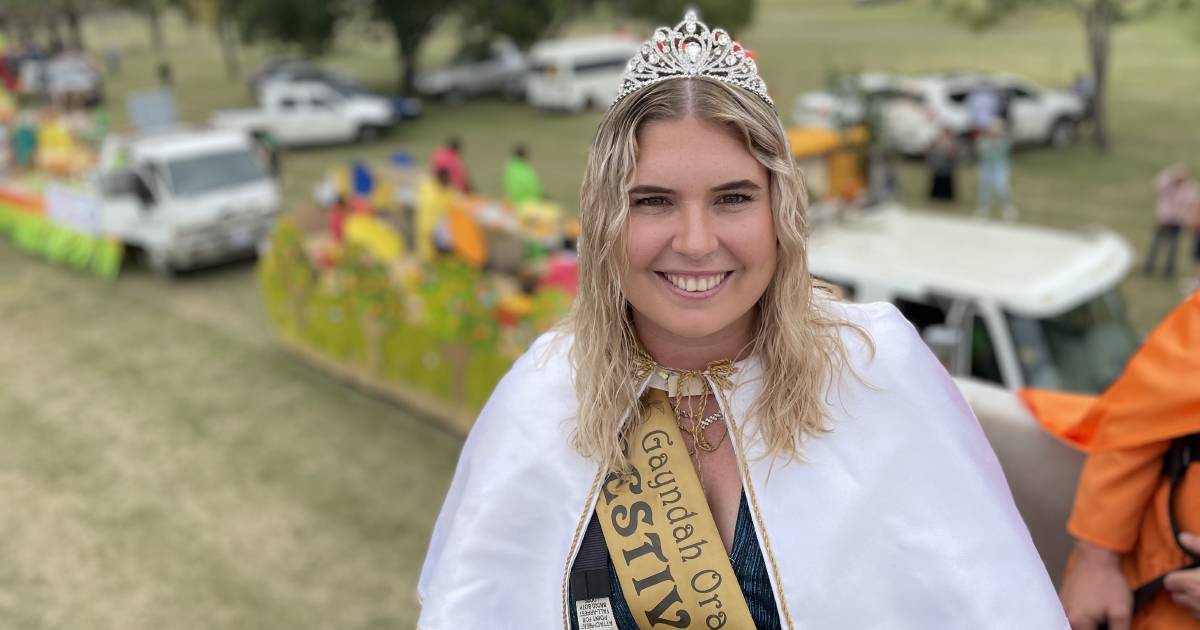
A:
[(661, 535)]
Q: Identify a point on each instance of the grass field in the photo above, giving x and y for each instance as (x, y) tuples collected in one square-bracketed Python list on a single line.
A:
[(164, 465)]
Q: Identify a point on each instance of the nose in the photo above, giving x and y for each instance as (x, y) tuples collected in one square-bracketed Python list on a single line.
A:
[(695, 236)]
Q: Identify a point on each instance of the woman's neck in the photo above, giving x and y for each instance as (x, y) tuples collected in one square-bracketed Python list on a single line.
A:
[(695, 353)]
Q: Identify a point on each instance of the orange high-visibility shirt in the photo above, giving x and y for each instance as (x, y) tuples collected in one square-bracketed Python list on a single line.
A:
[(1121, 503)]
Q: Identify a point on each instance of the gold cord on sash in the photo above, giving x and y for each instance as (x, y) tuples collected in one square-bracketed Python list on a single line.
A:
[(661, 535)]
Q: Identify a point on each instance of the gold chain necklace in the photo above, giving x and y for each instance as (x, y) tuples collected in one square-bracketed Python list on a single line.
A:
[(718, 374)]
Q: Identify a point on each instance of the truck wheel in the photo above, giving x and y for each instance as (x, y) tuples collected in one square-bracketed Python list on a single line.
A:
[(158, 262), (369, 133), (1062, 133)]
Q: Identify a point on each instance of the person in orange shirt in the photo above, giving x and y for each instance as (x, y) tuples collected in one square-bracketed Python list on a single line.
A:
[(1136, 517)]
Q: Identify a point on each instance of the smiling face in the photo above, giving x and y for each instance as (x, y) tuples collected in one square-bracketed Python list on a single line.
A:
[(700, 241)]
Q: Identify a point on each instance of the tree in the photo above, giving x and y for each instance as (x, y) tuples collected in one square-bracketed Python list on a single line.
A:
[(730, 15), (309, 24), (1097, 17), (523, 22), (410, 22), (217, 15)]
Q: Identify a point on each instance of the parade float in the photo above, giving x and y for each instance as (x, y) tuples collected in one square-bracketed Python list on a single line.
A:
[(45, 207), (414, 291), (177, 197)]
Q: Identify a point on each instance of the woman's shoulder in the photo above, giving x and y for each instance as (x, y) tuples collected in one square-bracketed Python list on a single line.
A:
[(537, 391), (545, 365), (873, 332)]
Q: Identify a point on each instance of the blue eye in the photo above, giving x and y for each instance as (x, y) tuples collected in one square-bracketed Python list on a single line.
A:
[(735, 198), (651, 201)]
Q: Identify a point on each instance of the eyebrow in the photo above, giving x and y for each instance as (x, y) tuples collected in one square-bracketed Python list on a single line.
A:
[(741, 184)]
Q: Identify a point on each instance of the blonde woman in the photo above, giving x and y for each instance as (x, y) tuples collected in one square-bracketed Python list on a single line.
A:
[(711, 441)]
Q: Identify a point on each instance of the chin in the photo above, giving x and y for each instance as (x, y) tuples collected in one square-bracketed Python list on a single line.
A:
[(693, 327)]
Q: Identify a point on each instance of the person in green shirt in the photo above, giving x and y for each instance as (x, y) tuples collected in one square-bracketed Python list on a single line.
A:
[(521, 183)]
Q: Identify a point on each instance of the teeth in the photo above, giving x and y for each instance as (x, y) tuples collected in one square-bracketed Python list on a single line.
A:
[(695, 284)]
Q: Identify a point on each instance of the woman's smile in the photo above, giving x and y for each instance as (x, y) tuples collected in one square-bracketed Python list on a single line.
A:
[(694, 285)]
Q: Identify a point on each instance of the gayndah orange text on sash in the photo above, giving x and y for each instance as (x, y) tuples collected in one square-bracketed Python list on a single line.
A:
[(661, 535)]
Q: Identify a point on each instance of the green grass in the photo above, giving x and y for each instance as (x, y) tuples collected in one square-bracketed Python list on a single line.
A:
[(164, 465)]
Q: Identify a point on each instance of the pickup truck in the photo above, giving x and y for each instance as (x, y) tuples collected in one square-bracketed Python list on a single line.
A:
[(310, 113), (183, 198)]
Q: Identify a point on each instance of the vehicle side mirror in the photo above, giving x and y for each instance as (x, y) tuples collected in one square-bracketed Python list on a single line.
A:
[(117, 184), (944, 341), (143, 192)]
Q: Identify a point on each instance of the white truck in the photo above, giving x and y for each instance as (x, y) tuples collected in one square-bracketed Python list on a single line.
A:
[(310, 113), (184, 198), (1004, 306)]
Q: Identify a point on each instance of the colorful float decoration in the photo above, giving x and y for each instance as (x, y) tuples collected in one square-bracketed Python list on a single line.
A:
[(413, 290), (43, 209)]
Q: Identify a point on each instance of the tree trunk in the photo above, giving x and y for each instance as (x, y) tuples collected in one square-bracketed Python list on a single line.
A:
[(54, 40), (154, 19), (226, 33), (1098, 19), (74, 28), (407, 50)]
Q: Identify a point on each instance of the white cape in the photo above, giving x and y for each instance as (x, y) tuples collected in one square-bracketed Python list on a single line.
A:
[(900, 517)]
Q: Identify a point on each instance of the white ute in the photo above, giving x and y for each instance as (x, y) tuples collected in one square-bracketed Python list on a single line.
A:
[(310, 113), (1004, 306), (185, 198)]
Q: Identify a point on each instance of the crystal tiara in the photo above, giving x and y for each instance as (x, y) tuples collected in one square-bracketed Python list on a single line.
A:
[(692, 50)]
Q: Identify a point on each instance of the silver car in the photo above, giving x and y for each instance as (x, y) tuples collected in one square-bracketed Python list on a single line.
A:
[(496, 68)]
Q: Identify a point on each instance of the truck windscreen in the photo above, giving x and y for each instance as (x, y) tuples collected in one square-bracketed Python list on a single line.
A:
[(213, 171), (1082, 350)]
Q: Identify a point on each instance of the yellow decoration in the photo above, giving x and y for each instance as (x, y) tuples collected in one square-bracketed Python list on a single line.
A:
[(341, 182), (57, 152), (374, 235), (518, 305), (8, 106), (539, 219), (433, 202), (383, 196)]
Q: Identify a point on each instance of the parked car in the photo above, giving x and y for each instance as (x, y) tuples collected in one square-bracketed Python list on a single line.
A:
[(913, 109), (1004, 306), (67, 76), (184, 198), (298, 71), (271, 68), (309, 113), (494, 68), (579, 73)]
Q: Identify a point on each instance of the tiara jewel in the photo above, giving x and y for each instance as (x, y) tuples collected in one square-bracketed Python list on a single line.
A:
[(691, 49)]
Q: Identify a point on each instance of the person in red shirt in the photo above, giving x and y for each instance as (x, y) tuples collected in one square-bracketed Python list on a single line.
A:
[(448, 158)]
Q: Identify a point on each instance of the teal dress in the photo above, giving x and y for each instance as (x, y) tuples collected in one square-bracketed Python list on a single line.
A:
[(748, 565)]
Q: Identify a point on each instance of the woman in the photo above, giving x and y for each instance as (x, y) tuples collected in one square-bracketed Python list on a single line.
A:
[(709, 441), (943, 162), (992, 148)]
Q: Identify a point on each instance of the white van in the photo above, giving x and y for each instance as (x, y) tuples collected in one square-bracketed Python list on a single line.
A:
[(1004, 306), (577, 74)]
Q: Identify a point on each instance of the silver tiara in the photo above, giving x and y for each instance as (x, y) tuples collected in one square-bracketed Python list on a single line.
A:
[(692, 50)]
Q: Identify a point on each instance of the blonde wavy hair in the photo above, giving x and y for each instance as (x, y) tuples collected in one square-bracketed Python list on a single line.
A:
[(797, 341)]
